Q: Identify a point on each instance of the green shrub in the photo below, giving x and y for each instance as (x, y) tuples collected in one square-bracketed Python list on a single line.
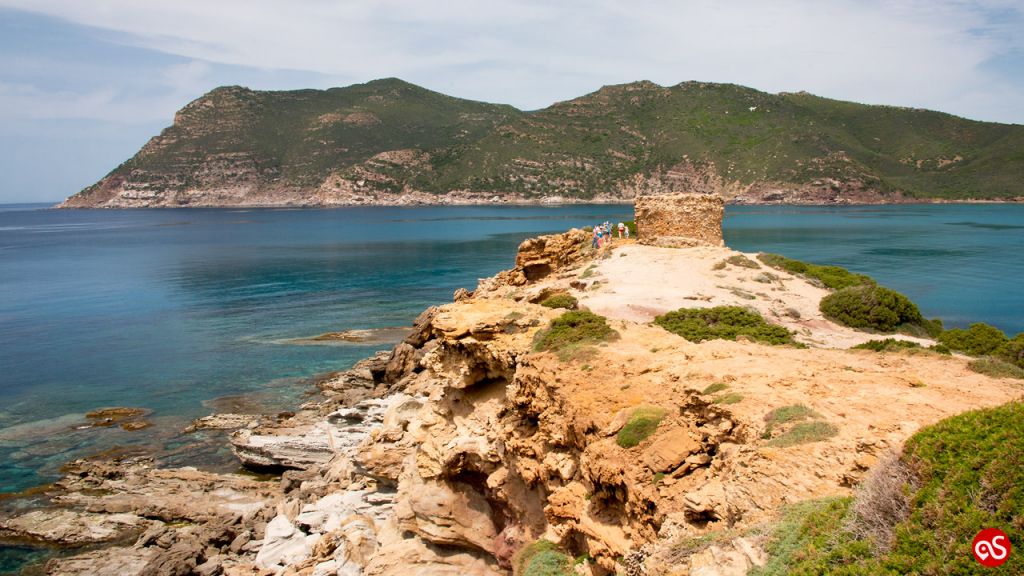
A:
[(887, 345), (541, 558), (716, 387), (870, 307), (641, 424), (996, 368), (968, 474), (567, 301), (727, 399), (979, 339), (741, 261), (571, 330), (1013, 351), (785, 415), (832, 277), (722, 322), (797, 542), (804, 432)]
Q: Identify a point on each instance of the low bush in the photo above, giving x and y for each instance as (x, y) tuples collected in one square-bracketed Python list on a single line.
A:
[(959, 475), (567, 301), (716, 387), (804, 432), (727, 399), (541, 558), (572, 330), (832, 277), (722, 322), (1013, 351), (978, 339), (787, 414), (741, 261), (996, 368), (641, 424), (871, 307), (887, 345)]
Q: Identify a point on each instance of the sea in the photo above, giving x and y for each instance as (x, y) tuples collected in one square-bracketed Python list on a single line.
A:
[(190, 311)]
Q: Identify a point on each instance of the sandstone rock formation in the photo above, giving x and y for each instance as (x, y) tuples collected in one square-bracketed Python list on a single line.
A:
[(680, 220)]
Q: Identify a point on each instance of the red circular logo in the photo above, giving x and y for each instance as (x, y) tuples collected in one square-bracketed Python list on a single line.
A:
[(991, 547)]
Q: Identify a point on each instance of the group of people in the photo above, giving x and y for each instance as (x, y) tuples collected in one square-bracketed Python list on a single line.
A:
[(603, 233)]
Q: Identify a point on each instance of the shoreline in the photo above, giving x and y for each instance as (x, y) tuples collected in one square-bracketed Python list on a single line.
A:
[(562, 202)]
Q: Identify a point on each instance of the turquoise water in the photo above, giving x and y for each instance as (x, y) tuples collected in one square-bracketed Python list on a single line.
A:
[(172, 310)]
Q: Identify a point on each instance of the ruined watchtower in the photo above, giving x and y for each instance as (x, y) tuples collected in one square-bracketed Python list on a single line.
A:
[(680, 220)]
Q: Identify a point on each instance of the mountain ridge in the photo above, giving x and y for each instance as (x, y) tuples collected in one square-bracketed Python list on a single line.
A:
[(388, 141)]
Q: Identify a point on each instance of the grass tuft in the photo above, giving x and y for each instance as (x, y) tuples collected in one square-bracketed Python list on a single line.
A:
[(567, 301), (803, 433), (541, 558), (996, 368), (716, 387), (641, 424), (727, 399)]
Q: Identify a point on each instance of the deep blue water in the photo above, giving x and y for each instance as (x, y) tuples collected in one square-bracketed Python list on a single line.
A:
[(168, 309)]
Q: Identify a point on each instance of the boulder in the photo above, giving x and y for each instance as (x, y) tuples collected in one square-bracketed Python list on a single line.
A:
[(670, 450)]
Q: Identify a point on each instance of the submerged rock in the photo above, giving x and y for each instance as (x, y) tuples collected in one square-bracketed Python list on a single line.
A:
[(129, 419), (71, 528)]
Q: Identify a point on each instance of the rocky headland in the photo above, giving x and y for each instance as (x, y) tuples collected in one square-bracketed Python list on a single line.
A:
[(480, 434), (388, 142)]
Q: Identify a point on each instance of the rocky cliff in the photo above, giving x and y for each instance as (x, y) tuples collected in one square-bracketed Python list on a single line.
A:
[(389, 142), (467, 442)]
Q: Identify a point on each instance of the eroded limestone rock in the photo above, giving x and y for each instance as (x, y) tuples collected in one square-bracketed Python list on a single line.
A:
[(680, 220)]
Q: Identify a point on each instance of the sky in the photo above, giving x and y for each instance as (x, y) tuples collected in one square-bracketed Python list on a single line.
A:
[(85, 83)]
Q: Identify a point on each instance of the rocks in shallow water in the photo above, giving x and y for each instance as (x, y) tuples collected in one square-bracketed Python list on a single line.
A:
[(72, 528), (308, 440), (222, 422), (134, 485), (129, 419), (118, 561)]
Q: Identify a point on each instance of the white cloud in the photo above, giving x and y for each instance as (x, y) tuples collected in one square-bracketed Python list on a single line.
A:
[(532, 52)]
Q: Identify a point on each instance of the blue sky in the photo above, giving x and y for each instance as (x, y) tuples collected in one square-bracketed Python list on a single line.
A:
[(84, 84)]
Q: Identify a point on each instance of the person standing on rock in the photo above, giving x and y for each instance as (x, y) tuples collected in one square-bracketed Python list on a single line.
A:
[(596, 241), (622, 228)]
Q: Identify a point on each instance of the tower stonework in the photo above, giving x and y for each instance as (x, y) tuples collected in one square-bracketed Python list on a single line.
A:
[(680, 220)]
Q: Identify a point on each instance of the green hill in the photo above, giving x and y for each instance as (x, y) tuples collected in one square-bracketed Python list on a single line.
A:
[(388, 141)]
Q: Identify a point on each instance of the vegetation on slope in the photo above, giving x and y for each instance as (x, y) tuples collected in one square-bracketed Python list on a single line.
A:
[(643, 421), (833, 277), (722, 322), (599, 143), (541, 558), (571, 331), (954, 478), (873, 307), (562, 300)]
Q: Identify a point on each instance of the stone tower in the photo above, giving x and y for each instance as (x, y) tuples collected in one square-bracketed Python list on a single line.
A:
[(680, 220)]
